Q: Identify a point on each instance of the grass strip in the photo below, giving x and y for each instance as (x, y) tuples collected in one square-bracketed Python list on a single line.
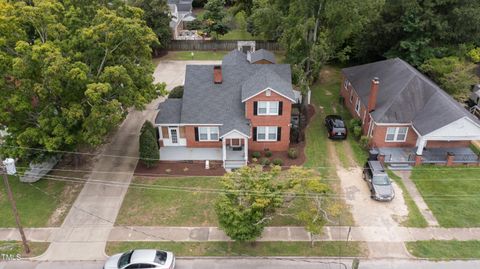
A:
[(445, 249)]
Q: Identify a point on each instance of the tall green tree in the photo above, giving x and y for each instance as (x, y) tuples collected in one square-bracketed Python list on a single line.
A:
[(214, 18), (148, 145), (157, 15), (420, 30), (250, 198), (65, 81)]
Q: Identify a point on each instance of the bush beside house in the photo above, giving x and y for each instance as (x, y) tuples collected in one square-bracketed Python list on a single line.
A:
[(176, 92), (148, 146)]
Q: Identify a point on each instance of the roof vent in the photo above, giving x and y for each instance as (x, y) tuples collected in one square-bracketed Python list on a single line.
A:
[(217, 74)]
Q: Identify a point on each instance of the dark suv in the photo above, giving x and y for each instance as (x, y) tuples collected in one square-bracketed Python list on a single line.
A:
[(381, 188), (336, 127)]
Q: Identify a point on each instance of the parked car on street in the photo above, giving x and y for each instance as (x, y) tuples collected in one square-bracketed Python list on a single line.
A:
[(380, 185), (141, 258), (336, 127)]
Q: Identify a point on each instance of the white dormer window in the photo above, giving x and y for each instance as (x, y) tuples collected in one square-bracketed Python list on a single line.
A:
[(268, 93), (267, 108)]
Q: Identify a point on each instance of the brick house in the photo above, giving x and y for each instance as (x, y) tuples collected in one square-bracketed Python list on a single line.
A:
[(228, 110), (407, 116)]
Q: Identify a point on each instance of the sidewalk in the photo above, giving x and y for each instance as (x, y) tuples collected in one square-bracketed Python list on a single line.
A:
[(204, 234)]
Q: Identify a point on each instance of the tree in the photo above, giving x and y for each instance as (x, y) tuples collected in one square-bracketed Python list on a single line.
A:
[(420, 30), (148, 147), (214, 18), (157, 16), (176, 92), (318, 210), (454, 75), (250, 198), (69, 72)]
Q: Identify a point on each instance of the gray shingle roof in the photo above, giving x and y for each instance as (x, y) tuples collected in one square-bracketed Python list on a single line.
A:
[(205, 102), (235, 57), (262, 54), (169, 111), (405, 96), (266, 77)]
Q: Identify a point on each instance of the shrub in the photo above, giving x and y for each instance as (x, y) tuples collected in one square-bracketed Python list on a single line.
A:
[(292, 153), (278, 162), (364, 141), (264, 161), (254, 160), (149, 153), (268, 153), (357, 131), (355, 122), (148, 126), (176, 92), (256, 154)]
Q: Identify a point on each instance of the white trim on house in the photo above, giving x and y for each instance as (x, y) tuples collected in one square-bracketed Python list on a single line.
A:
[(228, 135), (459, 130), (390, 124), (267, 132), (396, 133), (210, 132), (267, 105), (358, 106), (169, 142), (268, 88)]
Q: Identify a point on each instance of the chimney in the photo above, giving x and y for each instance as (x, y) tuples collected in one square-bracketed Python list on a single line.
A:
[(217, 74), (372, 99)]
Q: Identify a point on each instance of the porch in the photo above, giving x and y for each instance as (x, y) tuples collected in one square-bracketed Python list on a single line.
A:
[(461, 155), (234, 157)]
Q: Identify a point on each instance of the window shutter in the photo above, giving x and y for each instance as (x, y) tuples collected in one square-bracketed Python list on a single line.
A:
[(255, 133), (280, 108), (255, 108), (196, 133), (279, 133)]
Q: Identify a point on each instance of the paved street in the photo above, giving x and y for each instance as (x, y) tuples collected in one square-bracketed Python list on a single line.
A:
[(263, 263)]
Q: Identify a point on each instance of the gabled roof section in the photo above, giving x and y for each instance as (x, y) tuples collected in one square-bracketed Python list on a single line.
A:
[(264, 79), (235, 57), (169, 111), (262, 54), (405, 96)]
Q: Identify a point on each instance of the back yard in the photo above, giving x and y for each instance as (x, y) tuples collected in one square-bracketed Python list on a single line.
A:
[(451, 193)]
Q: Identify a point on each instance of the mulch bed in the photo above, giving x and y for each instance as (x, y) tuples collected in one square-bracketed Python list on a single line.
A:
[(185, 168), (172, 168)]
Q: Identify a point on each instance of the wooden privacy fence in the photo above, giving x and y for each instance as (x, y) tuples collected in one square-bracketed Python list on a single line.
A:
[(218, 45)]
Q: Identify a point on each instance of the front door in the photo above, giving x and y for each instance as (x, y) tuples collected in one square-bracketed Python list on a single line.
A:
[(173, 135), (235, 143)]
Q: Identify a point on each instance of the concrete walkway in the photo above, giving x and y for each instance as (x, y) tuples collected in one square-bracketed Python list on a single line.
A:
[(417, 198), (203, 234)]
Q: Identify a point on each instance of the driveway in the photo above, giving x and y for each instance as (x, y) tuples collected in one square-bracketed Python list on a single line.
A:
[(173, 72)]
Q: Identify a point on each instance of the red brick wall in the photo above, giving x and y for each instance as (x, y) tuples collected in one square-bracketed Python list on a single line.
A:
[(447, 144), (190, 135), (280, 121), (379, 133)]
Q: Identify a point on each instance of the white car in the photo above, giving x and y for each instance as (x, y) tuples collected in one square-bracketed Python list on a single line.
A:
[(141, 258)]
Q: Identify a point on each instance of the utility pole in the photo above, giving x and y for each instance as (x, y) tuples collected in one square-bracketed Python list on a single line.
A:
[(14, 205)]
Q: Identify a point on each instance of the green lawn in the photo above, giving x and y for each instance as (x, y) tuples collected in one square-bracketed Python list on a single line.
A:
[(168, 207), (40, 204), (14, 248), (325, 248), (451, 193), (445, 250), (414, 218)]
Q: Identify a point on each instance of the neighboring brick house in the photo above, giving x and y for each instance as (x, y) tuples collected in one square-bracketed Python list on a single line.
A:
[(228, 110), (399, 107)]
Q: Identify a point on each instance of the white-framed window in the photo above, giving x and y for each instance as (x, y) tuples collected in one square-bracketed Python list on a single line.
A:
[(357, 106), (396, 134), (267, 133), (208, 133), (351, 97), (345, 84), (267, 108)]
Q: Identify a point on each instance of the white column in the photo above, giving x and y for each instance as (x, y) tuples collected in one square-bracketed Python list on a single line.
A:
[(421, 142), (224, 150), (246, 149)]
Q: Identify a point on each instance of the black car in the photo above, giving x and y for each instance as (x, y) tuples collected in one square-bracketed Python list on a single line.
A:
[(379, 183), (336, 127)]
